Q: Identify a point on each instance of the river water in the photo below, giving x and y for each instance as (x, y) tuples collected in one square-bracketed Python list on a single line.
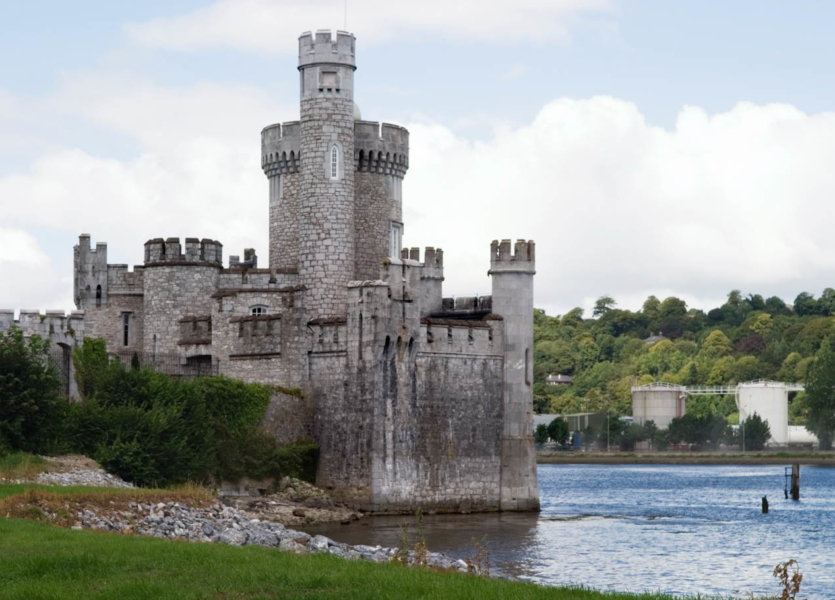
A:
[(679, 529)]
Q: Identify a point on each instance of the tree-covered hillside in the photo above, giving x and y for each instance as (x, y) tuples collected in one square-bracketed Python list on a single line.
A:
[(744, 339)]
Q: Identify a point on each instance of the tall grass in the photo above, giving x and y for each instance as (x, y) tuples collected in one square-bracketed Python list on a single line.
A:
[(20, 465)]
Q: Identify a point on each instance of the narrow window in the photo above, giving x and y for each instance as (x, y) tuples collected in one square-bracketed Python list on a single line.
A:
[(126, 329), (98, 296), (334, 162), (527, 366), (395, 239)]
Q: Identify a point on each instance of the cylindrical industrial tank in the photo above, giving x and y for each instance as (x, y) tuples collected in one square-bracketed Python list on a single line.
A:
[(657, 402), (769, 400)]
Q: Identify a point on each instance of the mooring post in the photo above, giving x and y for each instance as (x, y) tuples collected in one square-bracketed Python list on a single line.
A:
[(765, 505), (795, 482)]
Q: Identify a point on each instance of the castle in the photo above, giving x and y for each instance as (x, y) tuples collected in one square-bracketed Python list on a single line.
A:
[(416, 400)]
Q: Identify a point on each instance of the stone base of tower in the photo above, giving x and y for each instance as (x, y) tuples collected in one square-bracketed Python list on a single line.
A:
[(520, 486)]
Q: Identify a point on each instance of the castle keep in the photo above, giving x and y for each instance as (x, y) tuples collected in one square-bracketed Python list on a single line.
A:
[(416, 400)]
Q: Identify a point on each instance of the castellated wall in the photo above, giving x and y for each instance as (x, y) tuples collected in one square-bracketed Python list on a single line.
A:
[(64, 332), (178, 283), (409, 414), (259, 348)]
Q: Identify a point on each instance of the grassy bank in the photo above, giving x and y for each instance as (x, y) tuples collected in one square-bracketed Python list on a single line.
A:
[(693, 458), (41, 562), (20, 465)]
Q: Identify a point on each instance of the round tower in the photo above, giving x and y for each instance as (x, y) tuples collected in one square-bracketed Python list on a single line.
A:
[(326, 172), (280, 162)]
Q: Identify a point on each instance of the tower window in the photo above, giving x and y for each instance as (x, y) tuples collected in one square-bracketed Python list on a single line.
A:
[(126, 329), (98, 296), (395, 239), (334, 162), (260, 309)]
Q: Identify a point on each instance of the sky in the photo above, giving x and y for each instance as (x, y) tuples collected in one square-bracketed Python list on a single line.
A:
[(648, 147)]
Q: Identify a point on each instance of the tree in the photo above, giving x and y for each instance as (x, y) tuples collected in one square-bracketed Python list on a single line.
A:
[(820, 396), (540, 435), (558, 431), (652, 311), (603, 305), (717, 342), (630, 436), (756, 431), (31, 406), (805, 304), (775, 306)]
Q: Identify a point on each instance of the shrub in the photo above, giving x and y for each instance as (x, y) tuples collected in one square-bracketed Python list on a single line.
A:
[(31, 406), (558, 431), (757, 433), (155, 430), (540, 435)]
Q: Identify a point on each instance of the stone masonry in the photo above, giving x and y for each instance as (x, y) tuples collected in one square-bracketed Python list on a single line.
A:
[(416, 400)]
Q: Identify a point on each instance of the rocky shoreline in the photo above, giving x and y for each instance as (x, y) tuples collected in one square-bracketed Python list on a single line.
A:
[(223, 524), (260, 521)]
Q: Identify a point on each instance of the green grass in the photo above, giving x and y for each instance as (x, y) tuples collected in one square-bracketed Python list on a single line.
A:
[(20, 465), (40, 562)]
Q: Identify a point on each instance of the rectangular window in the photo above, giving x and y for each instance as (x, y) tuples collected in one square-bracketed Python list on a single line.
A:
[(395, 239), (126, 329), (334, 162), (275, 190)]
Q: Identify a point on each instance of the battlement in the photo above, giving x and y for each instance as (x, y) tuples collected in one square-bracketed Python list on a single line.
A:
[(159, 251), (433, 258), (280, 145), (381, 148), (250, 260), (520, 256), (323, 49), (55, 325)]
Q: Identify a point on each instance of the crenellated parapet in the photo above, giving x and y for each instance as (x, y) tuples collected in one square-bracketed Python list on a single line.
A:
[(378, 148), (206, 252), (381, 148), (280, 148), (323, 49), (508, 257), (55, 325)]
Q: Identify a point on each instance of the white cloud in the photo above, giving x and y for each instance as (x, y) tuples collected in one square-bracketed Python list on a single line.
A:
[(739, 199), (734, 200), (273, 25), (26, 273)]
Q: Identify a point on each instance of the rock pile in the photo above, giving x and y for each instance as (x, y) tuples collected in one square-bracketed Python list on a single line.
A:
[(218, 523), (87, 477)]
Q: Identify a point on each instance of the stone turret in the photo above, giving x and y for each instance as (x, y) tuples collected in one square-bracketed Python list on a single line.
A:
[(90, 274), (512, 270), (326, 178)]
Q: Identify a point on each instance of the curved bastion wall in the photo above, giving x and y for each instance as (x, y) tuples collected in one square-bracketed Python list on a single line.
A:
[(381, 159), (179, 282)]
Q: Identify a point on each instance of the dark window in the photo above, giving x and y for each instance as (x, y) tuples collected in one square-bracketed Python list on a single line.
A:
[(126, 327), (98, 296)]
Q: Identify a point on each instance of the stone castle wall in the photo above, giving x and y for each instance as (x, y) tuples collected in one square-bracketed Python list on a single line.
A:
[(373, 213), (171, 293)]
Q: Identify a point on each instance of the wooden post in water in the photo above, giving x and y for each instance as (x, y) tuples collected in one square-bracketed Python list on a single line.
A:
[(795, 482), (765, 505)]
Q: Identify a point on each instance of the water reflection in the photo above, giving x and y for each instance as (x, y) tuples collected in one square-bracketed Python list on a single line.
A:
[(679, 529)]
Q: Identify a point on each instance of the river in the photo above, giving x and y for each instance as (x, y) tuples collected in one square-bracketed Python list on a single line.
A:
[(679, 529)]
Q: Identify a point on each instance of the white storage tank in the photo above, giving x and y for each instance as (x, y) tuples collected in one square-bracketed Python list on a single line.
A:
[(658, 402), (769, 400)]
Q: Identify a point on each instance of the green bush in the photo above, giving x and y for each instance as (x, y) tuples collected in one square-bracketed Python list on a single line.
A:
[(540, 435), (31, 406), (156, 430)]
